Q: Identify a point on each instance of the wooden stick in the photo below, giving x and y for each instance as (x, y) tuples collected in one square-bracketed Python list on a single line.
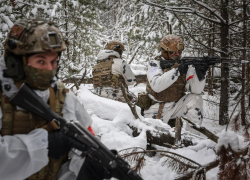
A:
[(203, 130), (131, 106)]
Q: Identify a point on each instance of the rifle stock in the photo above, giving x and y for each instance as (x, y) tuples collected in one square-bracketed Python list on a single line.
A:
[(29, 100)]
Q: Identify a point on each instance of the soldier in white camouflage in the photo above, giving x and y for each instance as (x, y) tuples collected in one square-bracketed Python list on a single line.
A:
[(176, 91), (30, 147), (111, 71)]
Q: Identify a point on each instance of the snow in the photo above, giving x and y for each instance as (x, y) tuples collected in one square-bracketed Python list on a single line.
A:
[(229, 137), (110, 123)]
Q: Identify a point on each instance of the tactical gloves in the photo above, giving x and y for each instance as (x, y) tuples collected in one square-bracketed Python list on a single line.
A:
[(202, 67), (201, 70), (182, 68), (93, 169), (60, 144)]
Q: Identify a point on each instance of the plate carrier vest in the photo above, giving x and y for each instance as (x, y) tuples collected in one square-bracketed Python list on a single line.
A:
[(22, 122), (173, 93), (103, 77)]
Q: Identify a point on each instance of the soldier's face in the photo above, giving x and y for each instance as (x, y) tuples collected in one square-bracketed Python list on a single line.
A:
[(47, 61), (175, 55), (171, 55)]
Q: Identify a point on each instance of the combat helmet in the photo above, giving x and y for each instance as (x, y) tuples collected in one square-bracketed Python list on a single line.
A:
[(171, 43), (27, 37), (116, 46)]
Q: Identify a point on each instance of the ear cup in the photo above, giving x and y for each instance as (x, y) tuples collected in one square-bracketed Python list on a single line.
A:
[(14, 65)]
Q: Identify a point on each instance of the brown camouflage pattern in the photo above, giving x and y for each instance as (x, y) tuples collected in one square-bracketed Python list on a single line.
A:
[(23, 122), (173, 93), (144, 101), (171, 43), (34, 36), (39, 78), (112, 45), (103, 77)]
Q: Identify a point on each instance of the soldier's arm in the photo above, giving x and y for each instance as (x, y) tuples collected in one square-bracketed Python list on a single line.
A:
[(127, 73), (23, 155), (193, 84), (158, 79)]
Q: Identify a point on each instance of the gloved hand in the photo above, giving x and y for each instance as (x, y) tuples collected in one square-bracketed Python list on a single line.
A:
[(60, 144), (201, 70), (182, 68), (92, 169)]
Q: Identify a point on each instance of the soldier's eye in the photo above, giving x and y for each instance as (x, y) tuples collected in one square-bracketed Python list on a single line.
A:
[(171, 52), (40, 61), (54, 62)]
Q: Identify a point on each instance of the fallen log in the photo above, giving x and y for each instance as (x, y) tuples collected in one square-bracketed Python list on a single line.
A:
[(161, 136)]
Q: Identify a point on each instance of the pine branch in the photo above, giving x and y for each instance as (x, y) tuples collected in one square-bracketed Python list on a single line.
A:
[(235, 123), (203, 169), (243, 95), (178, 162), (233, 165), (182, 158), (132, 156)]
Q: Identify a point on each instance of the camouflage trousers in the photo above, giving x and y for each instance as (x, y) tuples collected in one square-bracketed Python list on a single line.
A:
[(189, 106)]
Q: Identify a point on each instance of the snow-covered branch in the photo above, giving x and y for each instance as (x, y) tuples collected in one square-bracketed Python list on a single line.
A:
[(184, 10)]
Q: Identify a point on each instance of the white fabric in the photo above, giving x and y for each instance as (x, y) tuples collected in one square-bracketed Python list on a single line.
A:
[(23, 155), (70, 169), (160, 81), (190, 105), (73, 109), (120, 67), (104, 54)]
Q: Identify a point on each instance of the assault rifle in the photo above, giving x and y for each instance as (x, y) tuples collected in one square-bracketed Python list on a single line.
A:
[(196, 61), (30, 101)]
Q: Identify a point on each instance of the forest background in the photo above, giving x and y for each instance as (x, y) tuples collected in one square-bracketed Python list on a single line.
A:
[(208, 28)]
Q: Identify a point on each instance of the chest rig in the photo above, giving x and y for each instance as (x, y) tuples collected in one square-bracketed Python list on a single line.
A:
[(103, 77), (22, 122), (173, 93)]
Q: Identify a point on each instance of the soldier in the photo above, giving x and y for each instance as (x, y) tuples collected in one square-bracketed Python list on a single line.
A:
[(111, 71), (27, 151), (166, 87)]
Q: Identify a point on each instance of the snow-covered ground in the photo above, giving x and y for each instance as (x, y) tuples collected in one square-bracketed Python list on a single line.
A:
[(110, 123)]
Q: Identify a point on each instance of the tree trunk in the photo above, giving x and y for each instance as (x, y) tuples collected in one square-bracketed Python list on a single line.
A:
[(224, 101), (243, 75), (178, 127)]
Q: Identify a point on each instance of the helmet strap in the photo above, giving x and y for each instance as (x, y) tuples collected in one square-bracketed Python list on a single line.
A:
[(25, 62)]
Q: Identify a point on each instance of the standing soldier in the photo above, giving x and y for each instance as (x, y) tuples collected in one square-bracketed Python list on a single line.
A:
[(27, 150), (166, 87), (111, 71)]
